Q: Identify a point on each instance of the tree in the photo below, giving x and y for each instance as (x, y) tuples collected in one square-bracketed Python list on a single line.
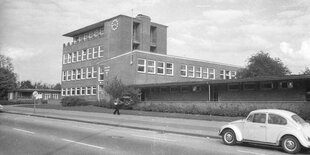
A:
[(57, 86), (7, 76), (261, 64), (26, 85), (307, 71), (117, 89)]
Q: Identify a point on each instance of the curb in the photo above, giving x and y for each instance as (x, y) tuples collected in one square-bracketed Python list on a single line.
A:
[(117, 125)]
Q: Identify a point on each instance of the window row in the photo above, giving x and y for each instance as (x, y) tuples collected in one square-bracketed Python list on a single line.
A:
[(83, 73), (50, 96), (197, 72), (155, 67), (261, 85), (89, 35), (91, 90), (225, 74), (86, 54)]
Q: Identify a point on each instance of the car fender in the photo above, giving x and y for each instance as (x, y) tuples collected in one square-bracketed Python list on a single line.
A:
[(237, 131), (296, 133)]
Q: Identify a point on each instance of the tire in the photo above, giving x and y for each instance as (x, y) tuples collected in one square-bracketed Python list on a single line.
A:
[(290, 144), (229, 137)]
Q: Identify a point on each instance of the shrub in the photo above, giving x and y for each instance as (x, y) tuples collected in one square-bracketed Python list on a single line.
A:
[(104, 103), (5, 102), (73, 101)]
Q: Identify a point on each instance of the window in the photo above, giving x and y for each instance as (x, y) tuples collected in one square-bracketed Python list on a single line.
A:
[(86, 36), (151, 66), (55, 96), (83, 72), (198, 72), (205, 73), (91, 34), (88, 90), (96, 33), (186, 89), (82, 90), (183, 70), (266, 85), (101, 31), (211, 73), (79, 56), (94, 90), (191, 71), (233, 87), (100, 51), (141, 65), (64, 75), (68, 91), (65, 59), (160, 68), (222, 74), (72, 91), (69, 57), (95, 54), (78, 91), (227, 75), (286, 85), (101, 73), (233, 74), (73, 74), (153, 34), (69, 75), (88, 70), (63, 92), (80, 38), (169, 68), (250, 118), (249, 86), (74, 57), (259, 118), (94, 72), (84, 55), (78, 74), (89, 53), (276, 119)]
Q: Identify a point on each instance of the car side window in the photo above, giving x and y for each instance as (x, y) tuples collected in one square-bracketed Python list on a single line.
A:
[(259, 118), (250, 118), (276, 119)]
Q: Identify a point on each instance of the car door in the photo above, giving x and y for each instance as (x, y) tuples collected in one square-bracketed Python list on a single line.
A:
[(276, 124), (255, 129)]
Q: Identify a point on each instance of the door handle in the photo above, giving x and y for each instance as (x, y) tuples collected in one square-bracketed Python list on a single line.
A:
[(263, 126)]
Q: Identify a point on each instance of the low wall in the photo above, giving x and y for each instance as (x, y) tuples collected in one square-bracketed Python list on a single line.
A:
[(224, 108)]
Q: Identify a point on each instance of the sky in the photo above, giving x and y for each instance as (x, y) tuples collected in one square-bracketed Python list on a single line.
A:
[(225, 31)]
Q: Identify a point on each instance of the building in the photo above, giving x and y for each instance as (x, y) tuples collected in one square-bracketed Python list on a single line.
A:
[(135, 51), (26, 94)]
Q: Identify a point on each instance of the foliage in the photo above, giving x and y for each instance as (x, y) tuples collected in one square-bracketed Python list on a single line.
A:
[(6, 63), (307, 71), (115, 88), (57, 86), (7, 81), (73, 101), (261, 64), (26, 85)]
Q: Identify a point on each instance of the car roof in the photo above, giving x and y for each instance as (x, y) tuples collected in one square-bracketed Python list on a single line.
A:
[(275, 111)]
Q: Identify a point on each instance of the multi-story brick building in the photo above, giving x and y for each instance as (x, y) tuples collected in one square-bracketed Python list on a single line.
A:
[(135, 51)]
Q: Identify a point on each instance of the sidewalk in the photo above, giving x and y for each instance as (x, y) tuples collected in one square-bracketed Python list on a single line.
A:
[(190, 127)]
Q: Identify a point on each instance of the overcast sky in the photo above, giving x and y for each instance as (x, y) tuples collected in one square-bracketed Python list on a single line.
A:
[(226, 31)]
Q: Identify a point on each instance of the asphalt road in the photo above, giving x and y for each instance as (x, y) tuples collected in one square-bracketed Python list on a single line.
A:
[(27, 135)]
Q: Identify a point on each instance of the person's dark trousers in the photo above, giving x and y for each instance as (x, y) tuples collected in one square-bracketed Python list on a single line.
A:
[(116, 110)]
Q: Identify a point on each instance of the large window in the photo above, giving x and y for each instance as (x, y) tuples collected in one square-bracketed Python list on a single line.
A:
[(198, 72), (266, 85), (286, 85), (205, 73), (64, 75), (79, 55), (73, 74), (88, 90), (94, 72), (69, 57), (94, 90), (101, 73), (68, 90), (222, 74), (259, 118), (72, 91), (169, 68), (276, 119), (151, 66), (74, 57), (83, 72), (89, 74), (89, 53), (191, 70), (160, 68), (233, 74), (69, 75), (227, 75), (84, 55), (101, 51), (95, 54), (141, 65), (78, 74), (78, 91), (211, 73), (83, 91), (65, 58), (183, 70)]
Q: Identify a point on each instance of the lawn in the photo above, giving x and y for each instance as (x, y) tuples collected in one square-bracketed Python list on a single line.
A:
[(96, 109)]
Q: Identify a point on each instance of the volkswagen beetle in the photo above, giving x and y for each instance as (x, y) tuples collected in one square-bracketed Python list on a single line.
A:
[(271, 127)]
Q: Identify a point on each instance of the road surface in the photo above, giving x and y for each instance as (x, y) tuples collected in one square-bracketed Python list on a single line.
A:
[(22, 135)]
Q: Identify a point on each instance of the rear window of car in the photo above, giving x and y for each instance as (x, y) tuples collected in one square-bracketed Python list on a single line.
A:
[(276, 119), (298, 119)]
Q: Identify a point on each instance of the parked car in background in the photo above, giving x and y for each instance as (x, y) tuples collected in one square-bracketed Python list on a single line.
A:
[(1, 108), (271, 127)]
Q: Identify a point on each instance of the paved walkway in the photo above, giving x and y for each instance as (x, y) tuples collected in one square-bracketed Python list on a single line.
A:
[(191, 127)]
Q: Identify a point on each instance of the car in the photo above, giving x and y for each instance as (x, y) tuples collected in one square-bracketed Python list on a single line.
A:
[(1, 108), (269, 127)]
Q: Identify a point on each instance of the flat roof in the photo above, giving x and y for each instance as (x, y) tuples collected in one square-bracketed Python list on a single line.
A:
[(39, 90), (96, 25), (230, 81)]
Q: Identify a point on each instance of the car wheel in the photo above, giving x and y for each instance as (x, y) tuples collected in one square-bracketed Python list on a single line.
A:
[(229, 137), (290, 144)]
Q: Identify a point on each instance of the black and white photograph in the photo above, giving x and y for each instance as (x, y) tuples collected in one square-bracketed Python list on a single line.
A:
[(154, 77)]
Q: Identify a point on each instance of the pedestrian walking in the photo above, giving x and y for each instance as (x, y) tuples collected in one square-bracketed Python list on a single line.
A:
[(116, 106)]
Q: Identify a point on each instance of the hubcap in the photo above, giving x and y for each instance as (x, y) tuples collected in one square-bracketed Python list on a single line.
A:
[(290, 144), (229, 138)]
